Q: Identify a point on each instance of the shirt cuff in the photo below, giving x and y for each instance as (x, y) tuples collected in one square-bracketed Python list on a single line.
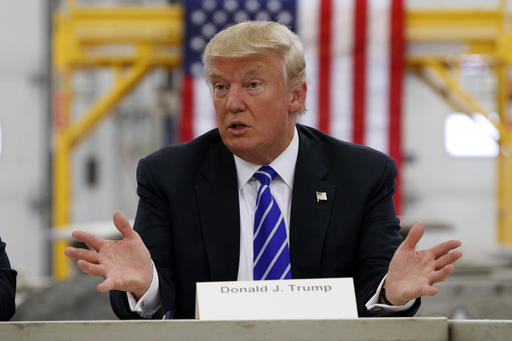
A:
[(375, 307), (150, 302)]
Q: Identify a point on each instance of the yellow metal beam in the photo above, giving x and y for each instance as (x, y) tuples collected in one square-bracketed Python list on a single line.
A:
[(503, 183), (504, 160), (62, 100), (79, 130), (86, 34), (448, 87), (423, 25), (61, 202), (477, 30)]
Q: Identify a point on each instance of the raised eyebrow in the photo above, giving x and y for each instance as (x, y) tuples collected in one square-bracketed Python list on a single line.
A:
[(253, 71), (249, 73), (215, 77)]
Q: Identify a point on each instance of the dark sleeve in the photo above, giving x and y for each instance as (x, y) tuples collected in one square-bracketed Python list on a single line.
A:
[(153, 224), (378, 240), (7, 286)]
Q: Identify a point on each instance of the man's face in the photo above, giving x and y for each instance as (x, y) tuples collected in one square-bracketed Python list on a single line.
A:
[(255, 112)]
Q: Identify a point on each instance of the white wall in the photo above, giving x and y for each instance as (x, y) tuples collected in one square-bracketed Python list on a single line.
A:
[(22, 117), (441, 189), (131, 132)]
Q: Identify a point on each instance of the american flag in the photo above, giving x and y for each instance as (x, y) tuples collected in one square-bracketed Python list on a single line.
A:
[(354, 60)]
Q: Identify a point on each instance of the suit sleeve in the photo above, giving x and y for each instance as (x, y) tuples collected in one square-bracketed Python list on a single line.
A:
[(7, 286), (379, 238), (153, 224)]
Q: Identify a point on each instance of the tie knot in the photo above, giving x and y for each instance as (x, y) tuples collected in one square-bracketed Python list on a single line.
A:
[(265, 175)]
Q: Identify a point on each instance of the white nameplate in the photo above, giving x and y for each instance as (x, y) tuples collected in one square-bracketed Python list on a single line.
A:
[(329, 298)]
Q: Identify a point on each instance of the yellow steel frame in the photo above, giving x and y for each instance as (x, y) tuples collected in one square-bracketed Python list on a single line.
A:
[(488, 34), (137, 39), (129, 40)]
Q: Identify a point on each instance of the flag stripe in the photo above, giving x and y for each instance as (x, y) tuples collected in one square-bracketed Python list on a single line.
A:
[(359, 75), (342, 75), (324, 57), (204, 114), (395, 99), (377, 75), (308, 16), (187, 109)]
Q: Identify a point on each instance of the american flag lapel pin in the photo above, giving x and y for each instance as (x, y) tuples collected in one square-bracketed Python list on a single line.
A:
[(321, 196)]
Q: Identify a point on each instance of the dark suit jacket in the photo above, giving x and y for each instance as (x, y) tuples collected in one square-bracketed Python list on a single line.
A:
[(7, 286), (188, 217)]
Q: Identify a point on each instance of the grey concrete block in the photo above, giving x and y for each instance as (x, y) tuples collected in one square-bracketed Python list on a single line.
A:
[(477, 330), (378, 329)]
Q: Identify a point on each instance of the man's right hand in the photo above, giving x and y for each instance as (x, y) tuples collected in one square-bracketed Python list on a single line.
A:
[(124, 264)]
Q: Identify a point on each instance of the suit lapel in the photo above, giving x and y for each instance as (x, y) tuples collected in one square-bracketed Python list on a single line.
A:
[(217, 197), (310, 211)]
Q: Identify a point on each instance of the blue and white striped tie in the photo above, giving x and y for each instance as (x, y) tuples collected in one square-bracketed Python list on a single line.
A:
[(271, 253)]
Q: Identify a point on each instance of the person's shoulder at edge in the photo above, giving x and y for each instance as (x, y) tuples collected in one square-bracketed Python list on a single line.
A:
[(195, 150), (197, 145), (340, 151), (183, 160), (7, 284)]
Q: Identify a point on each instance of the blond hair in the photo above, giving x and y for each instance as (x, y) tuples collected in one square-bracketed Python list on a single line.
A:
[(260, 38)]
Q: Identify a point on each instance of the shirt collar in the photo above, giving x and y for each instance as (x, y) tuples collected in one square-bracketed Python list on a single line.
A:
[(284, 164)]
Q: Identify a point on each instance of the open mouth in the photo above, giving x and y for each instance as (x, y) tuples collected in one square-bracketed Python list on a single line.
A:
[(238, 126)]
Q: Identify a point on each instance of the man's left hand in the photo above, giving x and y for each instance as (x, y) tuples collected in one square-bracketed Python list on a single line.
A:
[(412, 273)]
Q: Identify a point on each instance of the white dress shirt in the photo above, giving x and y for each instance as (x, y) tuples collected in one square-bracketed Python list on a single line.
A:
[(281, 189)]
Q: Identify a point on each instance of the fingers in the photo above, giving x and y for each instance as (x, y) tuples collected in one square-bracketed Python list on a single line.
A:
[(90, 268), (441, 275), (96, 270), (87, 255), (445, 247), (90, 240), (449, 258), (414, 235), (106, 285), (429, 290), (123, 225)]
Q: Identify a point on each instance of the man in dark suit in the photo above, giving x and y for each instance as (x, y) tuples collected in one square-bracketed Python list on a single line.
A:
[(197, 212), (7, 286)]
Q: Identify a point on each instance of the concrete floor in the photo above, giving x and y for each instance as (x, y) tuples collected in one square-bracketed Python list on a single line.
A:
[(472, 292)]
